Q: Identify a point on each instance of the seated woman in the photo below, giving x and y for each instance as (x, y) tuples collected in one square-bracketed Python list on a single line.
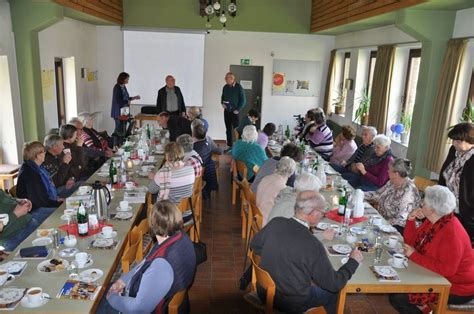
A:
[(264, 134), (248, 151), (35, 184), (399, 197), (320, 136), (203, 148), (344, 146), (309, 122), (441, 245), (166, 270), (91, 137), (373, 173), (272, 184), (174, 181), (457, 173)]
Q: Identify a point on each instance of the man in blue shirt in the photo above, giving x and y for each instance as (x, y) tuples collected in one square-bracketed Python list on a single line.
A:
[(232, 100)]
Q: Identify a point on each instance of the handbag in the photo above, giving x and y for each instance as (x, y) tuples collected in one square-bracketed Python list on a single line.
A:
[(200, 248)]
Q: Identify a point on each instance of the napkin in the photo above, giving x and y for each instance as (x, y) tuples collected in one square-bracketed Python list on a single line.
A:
[(34, 251)]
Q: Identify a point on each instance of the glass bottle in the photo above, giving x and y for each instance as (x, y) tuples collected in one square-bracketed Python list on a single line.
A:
[(113, 173), (342, 202), (82, 221)]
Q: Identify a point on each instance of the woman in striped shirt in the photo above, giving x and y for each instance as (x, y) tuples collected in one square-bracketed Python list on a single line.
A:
[(320, 136)]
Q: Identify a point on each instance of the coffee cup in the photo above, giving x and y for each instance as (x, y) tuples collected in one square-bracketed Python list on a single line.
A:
[(3, 277), (4, 219), (34, 295), (399, 260), (84, 189), (82, 258), (123, 205), (70, 241), (107, 231), (392, 241), (67, 151), (129, 185)]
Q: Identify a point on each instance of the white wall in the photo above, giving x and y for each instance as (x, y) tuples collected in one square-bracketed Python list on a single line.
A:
[(109, 65), (11, 132), (223, 50), (70, 38), (464, 23)]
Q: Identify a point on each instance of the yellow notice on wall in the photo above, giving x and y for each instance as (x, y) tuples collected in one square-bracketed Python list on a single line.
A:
[(47, 82)]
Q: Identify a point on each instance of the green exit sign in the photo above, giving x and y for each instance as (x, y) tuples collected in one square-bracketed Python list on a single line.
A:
[(244, 61)]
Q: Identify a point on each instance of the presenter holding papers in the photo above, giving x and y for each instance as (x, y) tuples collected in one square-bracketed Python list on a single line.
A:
[(120, 99)]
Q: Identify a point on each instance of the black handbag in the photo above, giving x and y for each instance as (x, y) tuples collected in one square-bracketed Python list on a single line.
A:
[(200, 248)]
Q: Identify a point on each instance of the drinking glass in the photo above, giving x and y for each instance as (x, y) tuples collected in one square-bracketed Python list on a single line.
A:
[(378, 254)]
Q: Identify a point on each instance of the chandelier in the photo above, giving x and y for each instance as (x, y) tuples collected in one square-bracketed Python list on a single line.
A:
[(220, 9)]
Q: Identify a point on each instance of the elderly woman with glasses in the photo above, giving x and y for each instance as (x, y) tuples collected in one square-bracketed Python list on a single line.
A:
[(457, 173), (396, 199), (441, 245), (272, 184), (373, 172), (248, 151)]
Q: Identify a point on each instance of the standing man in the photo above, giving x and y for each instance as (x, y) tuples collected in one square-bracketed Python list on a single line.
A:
[(232, 100), (170, 98)]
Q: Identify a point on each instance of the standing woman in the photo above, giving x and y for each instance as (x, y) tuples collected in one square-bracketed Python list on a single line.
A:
[(457, 173), (120, 99)]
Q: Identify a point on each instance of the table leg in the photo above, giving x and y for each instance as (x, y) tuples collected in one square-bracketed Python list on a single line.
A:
[(442, 300), (341, 300)]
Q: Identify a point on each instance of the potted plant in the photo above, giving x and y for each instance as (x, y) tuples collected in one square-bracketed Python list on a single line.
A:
[(406, 120), (339, 101), (362, 113), (468, 112)]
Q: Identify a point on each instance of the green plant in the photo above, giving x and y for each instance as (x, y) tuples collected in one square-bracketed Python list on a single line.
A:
[(468, 112), (364, 105), (340, 98), (406, 120)]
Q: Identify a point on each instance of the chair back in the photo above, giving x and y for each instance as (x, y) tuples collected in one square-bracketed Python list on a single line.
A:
[(236, 134), (176, 301), (129, 256), (265, 281), (184, 206), (12, 191), (240, 168), (149, 202), (136, 237), (422, 183), (147, 241)]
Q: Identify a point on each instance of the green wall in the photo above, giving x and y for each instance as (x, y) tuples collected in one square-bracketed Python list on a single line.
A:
[(281, 16), (433, 29)]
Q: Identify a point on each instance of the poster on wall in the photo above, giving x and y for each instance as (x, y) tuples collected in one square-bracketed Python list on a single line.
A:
[(47, 84), (296, 78)]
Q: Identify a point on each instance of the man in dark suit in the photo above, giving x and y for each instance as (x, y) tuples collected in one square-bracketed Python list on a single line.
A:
[(176, 125), (170, 98)]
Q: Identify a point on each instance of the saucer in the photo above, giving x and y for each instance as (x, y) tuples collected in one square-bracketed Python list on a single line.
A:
[(322, 226), (124, 215), (390, 262), (358, 230), (66, 217), (88, 264), (103, 174), (69, 252), (119, 209), (91, 275), (42, 241), (386, 243), (26, 303), (102, 236)]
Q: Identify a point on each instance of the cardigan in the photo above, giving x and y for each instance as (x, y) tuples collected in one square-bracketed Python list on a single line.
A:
[(267, 191), (31, 187), (203, 148), (161, 100), (466, 191), (266, 169), (235, 95), (378, 173), (250, 153), (15, 224), (295, 259), (177, 126), (58, 169), (449, 254)]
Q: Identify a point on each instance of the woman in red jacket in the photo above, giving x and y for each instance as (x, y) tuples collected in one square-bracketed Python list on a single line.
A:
[(440, 244)]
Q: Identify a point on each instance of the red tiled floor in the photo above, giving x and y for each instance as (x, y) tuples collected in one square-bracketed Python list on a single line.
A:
[(215, 289)]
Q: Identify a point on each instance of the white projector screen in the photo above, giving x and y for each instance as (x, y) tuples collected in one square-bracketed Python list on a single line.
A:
[(150, 56)]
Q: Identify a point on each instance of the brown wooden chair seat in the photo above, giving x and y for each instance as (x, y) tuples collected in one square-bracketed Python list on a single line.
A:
[(176, 301)]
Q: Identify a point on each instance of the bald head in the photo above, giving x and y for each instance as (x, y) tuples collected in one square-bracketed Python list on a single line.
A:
[(308, 201), (170, 81)]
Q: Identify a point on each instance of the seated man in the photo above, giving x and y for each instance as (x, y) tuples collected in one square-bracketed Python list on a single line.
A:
[(176, 125), (203, 148), (191, 157), (215, 149), (297, 261), (79, 161), (251, 118), (20, 223), (194, 113), (58, 164)]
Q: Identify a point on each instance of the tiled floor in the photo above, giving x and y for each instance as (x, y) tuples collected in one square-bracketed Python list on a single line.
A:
[(215, 289)]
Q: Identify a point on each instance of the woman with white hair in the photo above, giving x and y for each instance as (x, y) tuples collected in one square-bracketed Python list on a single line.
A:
[(248, 151), (440, 244), (91, 137), (373, 173), (272, 184)]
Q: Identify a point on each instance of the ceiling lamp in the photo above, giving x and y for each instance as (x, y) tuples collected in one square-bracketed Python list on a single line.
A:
[(218, 8)]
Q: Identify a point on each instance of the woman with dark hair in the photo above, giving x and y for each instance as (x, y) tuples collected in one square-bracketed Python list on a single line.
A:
[(166, 270), (264, 134), (344, 146), (320, 136), (120, 99), (457, 173), (308, 123)]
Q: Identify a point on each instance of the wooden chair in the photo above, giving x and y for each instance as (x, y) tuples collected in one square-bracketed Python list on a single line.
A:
[(129, 256), (467, 308), (239, 168), (253, 220), (236, 134), (184, 206), (215, 158), (176, 301), (197, 204), (12, 191), (149, 201), (135, 236), (422, 183), (147, 239)]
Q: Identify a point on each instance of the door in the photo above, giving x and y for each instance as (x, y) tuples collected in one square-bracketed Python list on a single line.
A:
[(251, 79), (61, 103)]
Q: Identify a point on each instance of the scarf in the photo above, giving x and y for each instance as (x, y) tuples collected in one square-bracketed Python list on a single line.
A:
[(45, 178), (453, 171), (421, 241), (96, 139), (374, 159)]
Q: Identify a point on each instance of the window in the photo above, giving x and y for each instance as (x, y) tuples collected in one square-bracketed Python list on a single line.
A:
[(370, 72), (409, 95), (470, 94), (341, 95)]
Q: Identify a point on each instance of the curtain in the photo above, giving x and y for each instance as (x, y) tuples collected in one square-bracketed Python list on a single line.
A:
[(443, 106), (329, 80), (381, 87)]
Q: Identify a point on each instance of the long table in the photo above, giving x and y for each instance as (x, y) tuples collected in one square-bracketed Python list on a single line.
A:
[(106, 260), (413, 279)]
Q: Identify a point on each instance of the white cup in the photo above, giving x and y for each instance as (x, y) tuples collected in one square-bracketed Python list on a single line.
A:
[(399, 260), (84, 189), (70, 241), (129, 185), (107, 231), (377, 220), (67, 151), (82, 258), (4, 219), (392, 241), (3, 277), (123, 205), (34, 295)]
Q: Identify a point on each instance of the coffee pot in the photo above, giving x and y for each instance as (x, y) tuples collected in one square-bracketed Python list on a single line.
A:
[(102, 198)]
